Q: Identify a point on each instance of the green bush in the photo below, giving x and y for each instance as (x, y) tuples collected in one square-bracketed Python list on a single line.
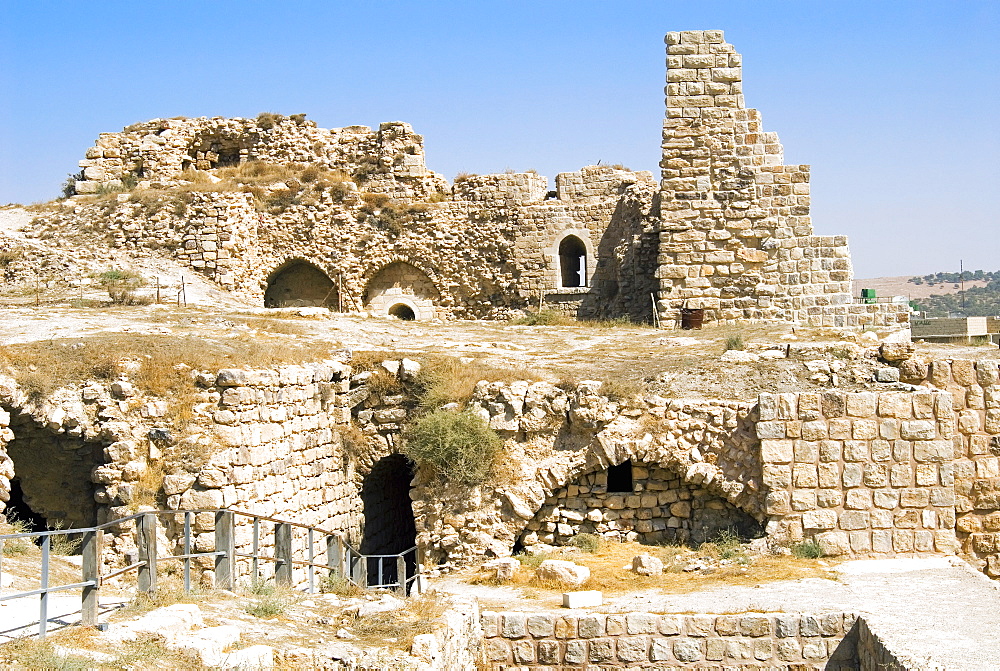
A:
[(587, 542), (807, 550), (734, 342), (458, 445)]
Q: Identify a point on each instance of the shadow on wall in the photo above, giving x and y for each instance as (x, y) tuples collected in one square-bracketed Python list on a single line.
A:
[(52, 485), (300, 284)]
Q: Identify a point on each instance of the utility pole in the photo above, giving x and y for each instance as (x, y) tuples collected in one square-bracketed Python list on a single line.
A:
[(961, 276)]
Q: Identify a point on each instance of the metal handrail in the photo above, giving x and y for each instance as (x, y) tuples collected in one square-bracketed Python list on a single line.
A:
[(341, 557)]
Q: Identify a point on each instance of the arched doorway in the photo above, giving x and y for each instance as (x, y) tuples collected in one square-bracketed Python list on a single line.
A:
[(401, 290), (572, 262), (389, 527), (300, 284), (402, 311)]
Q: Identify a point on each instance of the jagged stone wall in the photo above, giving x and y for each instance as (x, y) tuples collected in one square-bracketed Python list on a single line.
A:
[(737, 239), (726, 231)]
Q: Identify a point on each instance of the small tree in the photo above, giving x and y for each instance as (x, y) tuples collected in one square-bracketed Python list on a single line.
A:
[(458, 445)]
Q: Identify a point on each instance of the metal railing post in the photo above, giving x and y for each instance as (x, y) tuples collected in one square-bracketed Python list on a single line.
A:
[(91, 551), (43, 604), (187, 551), (401, 575), (361, 571), (283, 554), (255, 558), (147, 553), (310, 555), (225, 542)]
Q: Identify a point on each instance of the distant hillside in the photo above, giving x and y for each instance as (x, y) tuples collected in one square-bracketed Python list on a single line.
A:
[(940, 294)]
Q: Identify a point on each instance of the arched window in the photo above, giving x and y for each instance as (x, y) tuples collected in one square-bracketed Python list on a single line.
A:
[(572, 262)]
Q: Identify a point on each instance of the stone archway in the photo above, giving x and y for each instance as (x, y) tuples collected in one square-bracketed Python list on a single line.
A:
[(299, 283), (51, 487), (401, 290), (389, 527), (572, 262)]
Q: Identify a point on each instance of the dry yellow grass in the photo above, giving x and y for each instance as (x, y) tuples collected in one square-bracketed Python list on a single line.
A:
[(610, 570)]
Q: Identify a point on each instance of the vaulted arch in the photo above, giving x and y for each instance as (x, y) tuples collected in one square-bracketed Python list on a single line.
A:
[(401, 290), (299, 283)]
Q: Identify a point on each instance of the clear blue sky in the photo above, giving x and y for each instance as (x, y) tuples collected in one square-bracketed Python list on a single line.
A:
[(894, 103)]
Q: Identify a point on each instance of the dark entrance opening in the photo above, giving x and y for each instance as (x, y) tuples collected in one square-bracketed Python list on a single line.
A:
[(300, 284), (389, 528), (573, 262), (18, 509), (620, 477), (402, 311)]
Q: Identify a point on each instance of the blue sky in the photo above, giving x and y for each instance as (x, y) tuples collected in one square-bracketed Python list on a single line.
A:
[(894, 104)]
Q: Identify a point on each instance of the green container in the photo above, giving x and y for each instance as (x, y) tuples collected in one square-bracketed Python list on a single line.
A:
[(868, 295)]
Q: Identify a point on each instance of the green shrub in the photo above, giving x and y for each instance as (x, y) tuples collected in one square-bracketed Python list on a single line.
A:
[(734, 342), (458, 445), (587, 542), (268, 120), (267, 606), (544, 318), (334, 583), (807, 550)]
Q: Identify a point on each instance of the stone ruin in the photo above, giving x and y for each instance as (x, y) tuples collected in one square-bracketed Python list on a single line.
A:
[(725, 231), (878, 473)]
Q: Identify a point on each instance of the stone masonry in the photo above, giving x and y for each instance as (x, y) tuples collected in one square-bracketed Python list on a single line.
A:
[(726, 231)]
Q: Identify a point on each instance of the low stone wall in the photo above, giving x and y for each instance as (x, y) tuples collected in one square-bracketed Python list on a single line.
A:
[(650, 640), (660, 507)]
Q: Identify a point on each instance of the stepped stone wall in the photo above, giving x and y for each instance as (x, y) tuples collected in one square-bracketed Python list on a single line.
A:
[(727, 229)]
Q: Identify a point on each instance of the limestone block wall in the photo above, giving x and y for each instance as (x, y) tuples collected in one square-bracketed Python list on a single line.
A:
[(861, 473), (597, 182), (502, 188), (737, 238), (659, 507), (974, 387), (537, 640), (280, 453)]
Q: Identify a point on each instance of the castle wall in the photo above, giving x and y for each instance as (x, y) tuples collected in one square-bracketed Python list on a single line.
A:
[(737, 239), (538, 640)]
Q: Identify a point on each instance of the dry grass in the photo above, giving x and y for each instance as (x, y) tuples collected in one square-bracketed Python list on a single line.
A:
[(397, 628), (610, 570), (444, 379), (146, 652)]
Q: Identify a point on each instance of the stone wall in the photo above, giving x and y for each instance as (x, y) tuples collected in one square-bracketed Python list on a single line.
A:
[(727, 230), (737, 239), (650, 640), (659, 507), (861, 473), (973, 437)]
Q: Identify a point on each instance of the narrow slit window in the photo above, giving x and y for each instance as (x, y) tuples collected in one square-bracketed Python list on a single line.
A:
[(620, 477)]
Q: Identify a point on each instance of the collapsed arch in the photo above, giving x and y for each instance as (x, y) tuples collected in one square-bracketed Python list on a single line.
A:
[(572, 262), (300, 284), (401, 290)]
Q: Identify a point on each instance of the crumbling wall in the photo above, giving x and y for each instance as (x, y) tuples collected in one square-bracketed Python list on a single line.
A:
[(389, 160), (737, 239)]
